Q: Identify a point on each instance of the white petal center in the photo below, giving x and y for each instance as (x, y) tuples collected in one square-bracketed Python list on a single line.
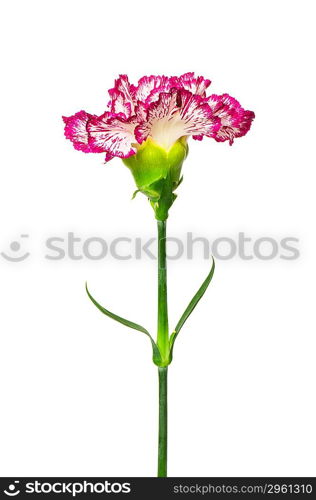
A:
[(168, 130)]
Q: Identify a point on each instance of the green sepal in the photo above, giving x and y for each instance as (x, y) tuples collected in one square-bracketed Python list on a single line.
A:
[(197, 297), (130, 324), (135, 194), (165, 199), (157, 172)]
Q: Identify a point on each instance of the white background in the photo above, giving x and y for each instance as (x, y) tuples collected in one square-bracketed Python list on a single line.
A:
[(78, 391)]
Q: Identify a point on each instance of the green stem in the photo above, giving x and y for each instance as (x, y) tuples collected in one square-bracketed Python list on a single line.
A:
[(163, 422), (163, 334), (163, 345)]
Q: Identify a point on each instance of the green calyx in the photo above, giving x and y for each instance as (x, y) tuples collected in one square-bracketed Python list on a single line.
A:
[(157, 172)]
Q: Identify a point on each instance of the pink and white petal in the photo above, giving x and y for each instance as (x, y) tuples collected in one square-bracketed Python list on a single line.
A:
[(197, 115), (118, 104), (146, 90), (224, 106), (176, 114), (155, 93), (142, 131), (196, 85), (141, 112), (121, 97), (239, 129), (76, 130), (234, 120), (108, 157), (158, 113), (201, 85), (113, 135), (245, 122)]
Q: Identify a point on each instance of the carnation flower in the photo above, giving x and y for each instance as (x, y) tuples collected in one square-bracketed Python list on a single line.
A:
[(147, 125), (160, 107)]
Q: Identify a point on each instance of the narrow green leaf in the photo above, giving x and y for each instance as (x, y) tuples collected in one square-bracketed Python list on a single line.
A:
[(126, 322), (192, 305), (135, 193)]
